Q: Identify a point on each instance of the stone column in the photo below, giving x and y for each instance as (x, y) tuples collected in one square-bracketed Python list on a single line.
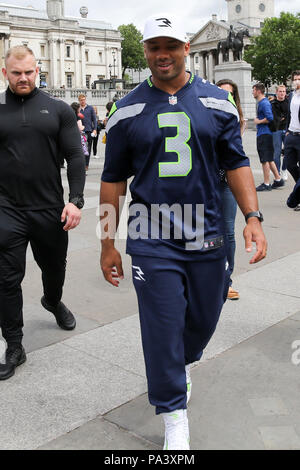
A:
[(107, 61), (210, 66), (119, 52), (2, 55), (2, 50), (62, 63), (220, 58), (192, 63), (53, 63), (6, 43), (231, 59), (83, 65), (204, 63), (77, 66), (201, 65)]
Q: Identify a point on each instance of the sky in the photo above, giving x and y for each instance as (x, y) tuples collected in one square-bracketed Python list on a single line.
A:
[(116, 12)]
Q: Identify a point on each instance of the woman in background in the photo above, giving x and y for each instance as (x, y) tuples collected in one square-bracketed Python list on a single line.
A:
[(229, 204), (76, 107)]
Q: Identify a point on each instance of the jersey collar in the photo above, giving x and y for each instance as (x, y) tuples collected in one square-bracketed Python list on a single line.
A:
[(187, 84)]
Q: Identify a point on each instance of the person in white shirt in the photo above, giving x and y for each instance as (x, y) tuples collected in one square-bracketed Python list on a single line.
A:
[(292, 141)]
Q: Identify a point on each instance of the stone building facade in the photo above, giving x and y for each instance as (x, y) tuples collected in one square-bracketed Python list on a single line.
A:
[(73, 52)]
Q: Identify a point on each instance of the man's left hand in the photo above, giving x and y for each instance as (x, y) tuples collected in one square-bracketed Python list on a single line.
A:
[(253, 232), (72, 215)]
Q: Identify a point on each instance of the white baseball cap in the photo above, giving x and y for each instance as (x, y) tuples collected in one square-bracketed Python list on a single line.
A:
[(164, 26)]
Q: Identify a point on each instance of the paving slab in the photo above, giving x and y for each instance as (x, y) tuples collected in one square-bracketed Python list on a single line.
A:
[(99, 434), (57, 390), (229, 395), (41, 330), (118, 343)]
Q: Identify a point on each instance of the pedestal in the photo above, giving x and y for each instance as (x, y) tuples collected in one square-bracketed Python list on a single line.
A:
[(240, 72)]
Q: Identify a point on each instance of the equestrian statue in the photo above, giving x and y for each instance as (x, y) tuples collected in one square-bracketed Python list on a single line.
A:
[(235, 42)]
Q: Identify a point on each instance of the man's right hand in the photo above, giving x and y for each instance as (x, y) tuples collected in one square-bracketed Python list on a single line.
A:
[(111, 265)]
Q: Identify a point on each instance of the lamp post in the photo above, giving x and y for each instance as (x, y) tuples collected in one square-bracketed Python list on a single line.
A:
[(114, 59), (110, 81), (114, 75), (40, 72)]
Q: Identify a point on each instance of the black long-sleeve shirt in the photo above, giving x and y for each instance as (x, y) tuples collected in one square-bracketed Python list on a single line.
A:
[(280, 112), (34, 131)]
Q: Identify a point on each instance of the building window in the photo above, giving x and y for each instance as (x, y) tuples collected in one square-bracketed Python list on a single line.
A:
[(42, 50), (88, 81), (86, 56), (69, 80), (196, 60), (100, 57), (68, 51)]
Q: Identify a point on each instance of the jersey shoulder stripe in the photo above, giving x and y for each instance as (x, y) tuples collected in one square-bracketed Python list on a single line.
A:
[(221, 105), (124, 113), (214, 97), (130, 106)]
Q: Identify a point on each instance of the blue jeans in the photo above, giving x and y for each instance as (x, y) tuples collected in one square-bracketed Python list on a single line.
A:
[(278, 140), (229, 208)]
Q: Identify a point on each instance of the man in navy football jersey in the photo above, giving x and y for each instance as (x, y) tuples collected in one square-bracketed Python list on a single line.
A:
[(172, 134)]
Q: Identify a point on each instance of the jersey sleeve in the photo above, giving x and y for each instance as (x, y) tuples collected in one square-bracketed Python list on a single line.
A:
[(117, 166), (229, 146)]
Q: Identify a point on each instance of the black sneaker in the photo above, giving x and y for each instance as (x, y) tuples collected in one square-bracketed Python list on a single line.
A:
[(15, 356), (278, 184), (64, 317), (264, 187)]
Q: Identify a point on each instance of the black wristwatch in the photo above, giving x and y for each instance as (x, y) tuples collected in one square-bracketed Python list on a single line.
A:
[(257, 214), (78, 201)]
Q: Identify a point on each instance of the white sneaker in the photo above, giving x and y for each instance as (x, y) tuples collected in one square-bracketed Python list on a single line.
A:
[(284, 175), (176, 430), (188, 382)]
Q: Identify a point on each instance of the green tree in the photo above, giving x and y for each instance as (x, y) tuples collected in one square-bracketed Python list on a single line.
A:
[(132, 48), (276, 52)]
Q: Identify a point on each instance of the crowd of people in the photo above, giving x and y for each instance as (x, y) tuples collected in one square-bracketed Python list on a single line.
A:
[(278, 133), (180, 138)]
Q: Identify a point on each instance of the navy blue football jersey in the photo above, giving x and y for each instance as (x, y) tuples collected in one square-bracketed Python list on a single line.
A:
[(174, 148)]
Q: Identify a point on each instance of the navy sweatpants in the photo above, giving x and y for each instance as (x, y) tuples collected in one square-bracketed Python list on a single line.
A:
[(179, 304)]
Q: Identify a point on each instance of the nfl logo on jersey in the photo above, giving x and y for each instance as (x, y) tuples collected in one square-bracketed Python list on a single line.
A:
[(173, 100)]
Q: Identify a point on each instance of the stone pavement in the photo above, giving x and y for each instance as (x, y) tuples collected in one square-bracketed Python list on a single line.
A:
[(86, 389)]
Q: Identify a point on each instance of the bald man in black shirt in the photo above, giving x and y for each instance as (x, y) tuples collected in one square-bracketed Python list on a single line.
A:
[(34, 129)]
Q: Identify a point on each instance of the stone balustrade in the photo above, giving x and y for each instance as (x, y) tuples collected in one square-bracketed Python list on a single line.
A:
[(97, 98)]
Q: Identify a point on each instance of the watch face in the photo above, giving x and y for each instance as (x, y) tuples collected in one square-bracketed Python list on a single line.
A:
[(262, 7), (238, 8)]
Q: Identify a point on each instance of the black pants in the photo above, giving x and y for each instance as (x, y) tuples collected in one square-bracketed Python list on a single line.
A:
[(95, 144), (292, 155), (89, 145), (49, 242)]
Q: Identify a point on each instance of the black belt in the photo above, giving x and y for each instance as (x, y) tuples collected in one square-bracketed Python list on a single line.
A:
[(213, 244), (294, 133)]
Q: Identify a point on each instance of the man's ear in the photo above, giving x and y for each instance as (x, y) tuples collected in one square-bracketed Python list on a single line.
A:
[(187, 48)]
